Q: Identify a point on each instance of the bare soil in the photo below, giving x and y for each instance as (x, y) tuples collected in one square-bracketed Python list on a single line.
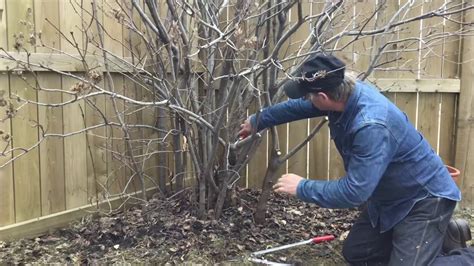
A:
[(168, 231)]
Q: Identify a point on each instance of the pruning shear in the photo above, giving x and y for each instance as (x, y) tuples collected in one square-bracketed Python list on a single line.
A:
[(254, 257)]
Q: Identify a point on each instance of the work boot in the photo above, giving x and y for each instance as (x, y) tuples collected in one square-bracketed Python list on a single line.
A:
[(457, 233)]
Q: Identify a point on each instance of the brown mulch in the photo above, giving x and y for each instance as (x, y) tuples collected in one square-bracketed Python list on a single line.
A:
[(168, 231)]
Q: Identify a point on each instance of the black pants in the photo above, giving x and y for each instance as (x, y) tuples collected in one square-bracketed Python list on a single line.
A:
[(416, 240)]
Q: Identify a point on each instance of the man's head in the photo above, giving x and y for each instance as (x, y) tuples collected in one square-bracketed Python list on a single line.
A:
[(319, 73)]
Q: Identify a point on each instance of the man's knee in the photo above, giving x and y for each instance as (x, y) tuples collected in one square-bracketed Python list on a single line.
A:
[(356, 254), (350, 254)]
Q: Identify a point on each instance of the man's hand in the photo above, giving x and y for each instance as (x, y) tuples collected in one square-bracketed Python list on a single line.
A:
[(245, 129), (287, 184)]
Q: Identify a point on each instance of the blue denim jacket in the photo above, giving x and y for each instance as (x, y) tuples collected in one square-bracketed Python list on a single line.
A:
[(388, 162)]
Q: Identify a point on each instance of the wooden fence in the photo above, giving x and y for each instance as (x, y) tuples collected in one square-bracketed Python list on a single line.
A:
[(61, 174), (50, 178)]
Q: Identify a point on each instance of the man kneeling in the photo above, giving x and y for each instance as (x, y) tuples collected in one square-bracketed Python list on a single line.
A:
[(409, 193)]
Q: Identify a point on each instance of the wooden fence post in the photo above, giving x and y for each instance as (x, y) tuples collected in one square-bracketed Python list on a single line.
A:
[(464, 159), (7, 200)]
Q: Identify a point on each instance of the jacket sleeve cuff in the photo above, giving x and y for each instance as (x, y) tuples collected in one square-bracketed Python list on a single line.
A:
[(253, 122), (309, 190), (300, 190)]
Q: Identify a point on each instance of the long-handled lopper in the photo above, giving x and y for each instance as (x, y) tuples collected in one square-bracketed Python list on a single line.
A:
[(319, 239)]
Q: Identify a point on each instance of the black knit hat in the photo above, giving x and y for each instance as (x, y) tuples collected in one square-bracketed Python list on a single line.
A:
[(319, 72)]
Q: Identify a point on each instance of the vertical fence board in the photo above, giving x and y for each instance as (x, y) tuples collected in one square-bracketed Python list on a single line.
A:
[(410, 33), (341, 22), (428, 113), (75, 151), (47, 9), (389, 57), (148, 115), (94, 110), (431, 62), (7, 196), (336, 167), (451, 47), (75, 148), (134, 45), (52, 149), (20, 24), (96, 146), (117, 169), (406, 101), (431, 67), (258, 164), (362, 48), (7, 193), (283, 140), (150, 159), (91, 39), (25, 135), (70, 22), (113, 34), (298, 130), (409, 62), (133, 117), (447, 131), (318, 152), (464, 140), (450, 69), (3, 25), (391, 96)]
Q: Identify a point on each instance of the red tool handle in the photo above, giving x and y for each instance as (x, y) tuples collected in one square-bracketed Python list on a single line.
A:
[(320, 239)]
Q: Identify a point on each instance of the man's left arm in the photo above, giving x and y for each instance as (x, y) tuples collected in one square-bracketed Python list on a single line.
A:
[(284, 112), (372, 150)]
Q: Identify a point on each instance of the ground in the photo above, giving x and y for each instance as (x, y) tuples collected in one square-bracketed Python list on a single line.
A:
[(167, 231)]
